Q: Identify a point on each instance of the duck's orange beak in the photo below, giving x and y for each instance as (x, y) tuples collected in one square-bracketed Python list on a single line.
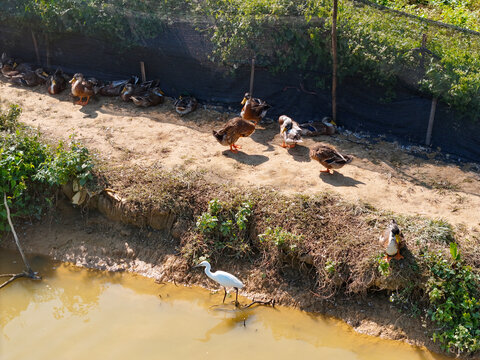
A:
[(397, 238), (71, 81), (244, 101)]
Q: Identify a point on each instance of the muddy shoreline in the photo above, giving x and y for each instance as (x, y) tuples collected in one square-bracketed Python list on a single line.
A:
[(91, 240)]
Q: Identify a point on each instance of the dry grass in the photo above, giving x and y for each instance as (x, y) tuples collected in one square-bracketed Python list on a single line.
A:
[(336, 251)]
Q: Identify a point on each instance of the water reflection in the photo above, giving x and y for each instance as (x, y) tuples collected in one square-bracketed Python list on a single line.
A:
[(83, 313)]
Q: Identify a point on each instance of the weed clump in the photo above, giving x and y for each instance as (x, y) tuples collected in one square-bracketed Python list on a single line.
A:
[(453, 290), (31, 171), (224, 228)]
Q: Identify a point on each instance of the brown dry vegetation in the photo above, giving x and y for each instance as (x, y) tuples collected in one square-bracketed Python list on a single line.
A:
[(333, 231)]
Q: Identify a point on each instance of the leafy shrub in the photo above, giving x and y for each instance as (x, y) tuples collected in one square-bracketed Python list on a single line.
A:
[(453, 291), (30, 171), (20, 158), (67, 164), (224, 227)]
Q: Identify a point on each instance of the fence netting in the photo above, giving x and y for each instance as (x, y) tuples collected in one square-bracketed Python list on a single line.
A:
[(391, 64)]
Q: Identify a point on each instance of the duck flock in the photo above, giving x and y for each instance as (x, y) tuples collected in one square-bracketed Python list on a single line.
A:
[(148, 93)]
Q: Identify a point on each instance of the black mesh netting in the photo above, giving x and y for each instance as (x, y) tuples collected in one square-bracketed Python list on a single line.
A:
[(181, 57)]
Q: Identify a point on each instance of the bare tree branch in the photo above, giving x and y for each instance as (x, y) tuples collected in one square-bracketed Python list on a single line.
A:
[(28, 273)]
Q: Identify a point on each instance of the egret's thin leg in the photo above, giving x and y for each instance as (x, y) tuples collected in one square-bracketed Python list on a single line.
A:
[(236, 296), (224, 296)]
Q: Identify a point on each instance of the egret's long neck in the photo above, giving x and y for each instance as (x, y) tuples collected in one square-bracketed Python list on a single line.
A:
[(207, 270)]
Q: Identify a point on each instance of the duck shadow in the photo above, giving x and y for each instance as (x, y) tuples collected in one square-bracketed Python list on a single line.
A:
[(338, 179), (92, 110), (244, 158), (300, 153), (264, 135)]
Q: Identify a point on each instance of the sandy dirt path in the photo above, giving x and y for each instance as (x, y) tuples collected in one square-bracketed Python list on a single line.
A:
[(382, 174)]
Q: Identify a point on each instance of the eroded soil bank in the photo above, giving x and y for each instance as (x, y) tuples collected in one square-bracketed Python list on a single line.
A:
[(91, 240)]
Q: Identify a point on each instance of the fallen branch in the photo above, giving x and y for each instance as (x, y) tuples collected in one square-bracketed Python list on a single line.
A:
[(28, 273), (270, 302), (14, 276)]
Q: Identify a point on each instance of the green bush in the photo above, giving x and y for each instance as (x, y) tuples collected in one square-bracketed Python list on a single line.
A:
[(453, 290), (224, 227), (30, 170)]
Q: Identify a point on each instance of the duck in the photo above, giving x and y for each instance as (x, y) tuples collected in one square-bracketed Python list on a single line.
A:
[(329, 157), (127, 92), (82, 88), (56, 82), (185, 105), (132, 87), (30, 78), (325, 127), (8, 66), (392, 241), (152, 97), (112, 88), (253, 109), (290, 131), (233, 130)]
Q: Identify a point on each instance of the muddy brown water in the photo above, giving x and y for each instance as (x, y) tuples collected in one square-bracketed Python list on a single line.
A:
[(78, 313)]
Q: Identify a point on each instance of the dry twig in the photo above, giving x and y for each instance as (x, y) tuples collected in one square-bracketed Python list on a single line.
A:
[(28, 272)]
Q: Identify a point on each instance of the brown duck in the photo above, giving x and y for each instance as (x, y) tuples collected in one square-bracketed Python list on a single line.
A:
[(185, 104), (233, 130), (325, 127), (56, 82), (329, 157), (152, 97), (8, 65), (253, 109), (392, 241), (30, 78), (82, 88)]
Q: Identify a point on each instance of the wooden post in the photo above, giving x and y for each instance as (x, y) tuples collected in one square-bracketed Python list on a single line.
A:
[(430, 121), (48, 50), (252, 75), (334, 60), (142, 69), (35, 44)]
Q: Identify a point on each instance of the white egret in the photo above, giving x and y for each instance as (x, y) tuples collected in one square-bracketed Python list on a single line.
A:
[(223, 278)]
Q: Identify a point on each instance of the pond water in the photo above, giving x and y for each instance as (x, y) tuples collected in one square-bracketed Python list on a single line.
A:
[(75, 313)]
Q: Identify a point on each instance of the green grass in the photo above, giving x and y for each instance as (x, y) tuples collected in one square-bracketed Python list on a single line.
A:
[(462, 13)]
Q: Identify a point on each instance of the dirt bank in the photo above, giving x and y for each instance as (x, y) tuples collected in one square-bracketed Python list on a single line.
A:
[(91, 240)]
